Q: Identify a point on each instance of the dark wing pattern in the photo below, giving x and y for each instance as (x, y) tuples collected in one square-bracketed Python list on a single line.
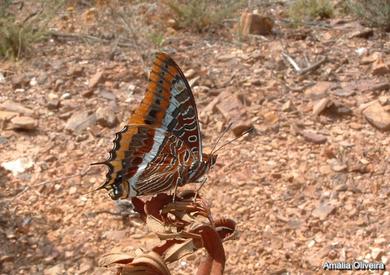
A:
[(155, 150), (169, 169), (169, 104)]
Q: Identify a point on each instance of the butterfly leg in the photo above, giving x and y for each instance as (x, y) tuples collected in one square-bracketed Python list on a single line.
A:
[(177, 183), (200, 187)]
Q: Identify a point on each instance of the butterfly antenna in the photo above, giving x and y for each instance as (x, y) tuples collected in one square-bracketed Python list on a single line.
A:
[(99, 163), (212, 152), (89, 192), (234, 139), (221, 136)]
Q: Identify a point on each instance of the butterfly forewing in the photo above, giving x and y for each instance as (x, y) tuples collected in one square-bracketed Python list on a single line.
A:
[(169, 103)]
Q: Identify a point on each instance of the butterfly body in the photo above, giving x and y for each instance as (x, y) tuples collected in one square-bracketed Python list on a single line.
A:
[(160, 148)]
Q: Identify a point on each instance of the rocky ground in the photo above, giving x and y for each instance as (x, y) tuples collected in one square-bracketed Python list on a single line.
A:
[(310, 185)]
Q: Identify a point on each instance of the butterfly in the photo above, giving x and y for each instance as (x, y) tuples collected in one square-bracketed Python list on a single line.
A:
[(160, 148)]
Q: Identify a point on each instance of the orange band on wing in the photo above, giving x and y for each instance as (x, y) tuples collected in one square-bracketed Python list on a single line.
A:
[(156, 83)]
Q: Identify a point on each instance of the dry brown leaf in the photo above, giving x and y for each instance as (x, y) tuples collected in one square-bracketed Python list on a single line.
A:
[(113, 258), (185, 226), (152, 259), (179, 250), (155, 225)]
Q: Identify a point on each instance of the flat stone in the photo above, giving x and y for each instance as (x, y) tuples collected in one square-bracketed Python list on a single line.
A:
[(107, 95), (367, 85), (320, 106), (323, 211), (377, 116), (193, 81), (226, 57), (251, 23), (343, 92), (339, 108), (311, 136), (241, 127), (55, 270), (6, 116), (364, 33), (380, 241), (20, 81), (50, 158), (211, 106), (384, 100), (66, 96), (3, 140), (361, 51), (85, 266), (72, 190), (96, 79), (15, 107), (79, 121), (58, 84), (287, 106), (2, 78), (229, 105), (313, 260), (377, 253), (355, 126), (33, 82), (368, 59), (254, 82), (342, 187), (75, 71), (270, 118), (379, 68), (364, 106), (380, 87), (106, 117), (189, 73), (314, 137), (338, 166), (201, 89), (115, 235), (294, 223), (53, 101), (233, 111), (81, 137), (87, 93), (23, 123), (318, 91), (6, 258), (18, 166), (65, 115)]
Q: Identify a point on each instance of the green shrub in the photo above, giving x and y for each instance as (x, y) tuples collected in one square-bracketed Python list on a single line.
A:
[(16, 39), (301, 10), (4, 6), (201, 15), (157, 38), (17, 36), (373, 13)]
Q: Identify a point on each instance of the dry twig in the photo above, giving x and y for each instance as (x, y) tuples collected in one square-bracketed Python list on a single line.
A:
[(87, 37), (308, 68)]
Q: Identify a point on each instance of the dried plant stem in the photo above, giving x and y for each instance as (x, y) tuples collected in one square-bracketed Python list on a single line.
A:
[(88, 37), (309, 68)]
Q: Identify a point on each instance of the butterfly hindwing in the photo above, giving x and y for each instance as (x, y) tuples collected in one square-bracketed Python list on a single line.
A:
[(153, 151)]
